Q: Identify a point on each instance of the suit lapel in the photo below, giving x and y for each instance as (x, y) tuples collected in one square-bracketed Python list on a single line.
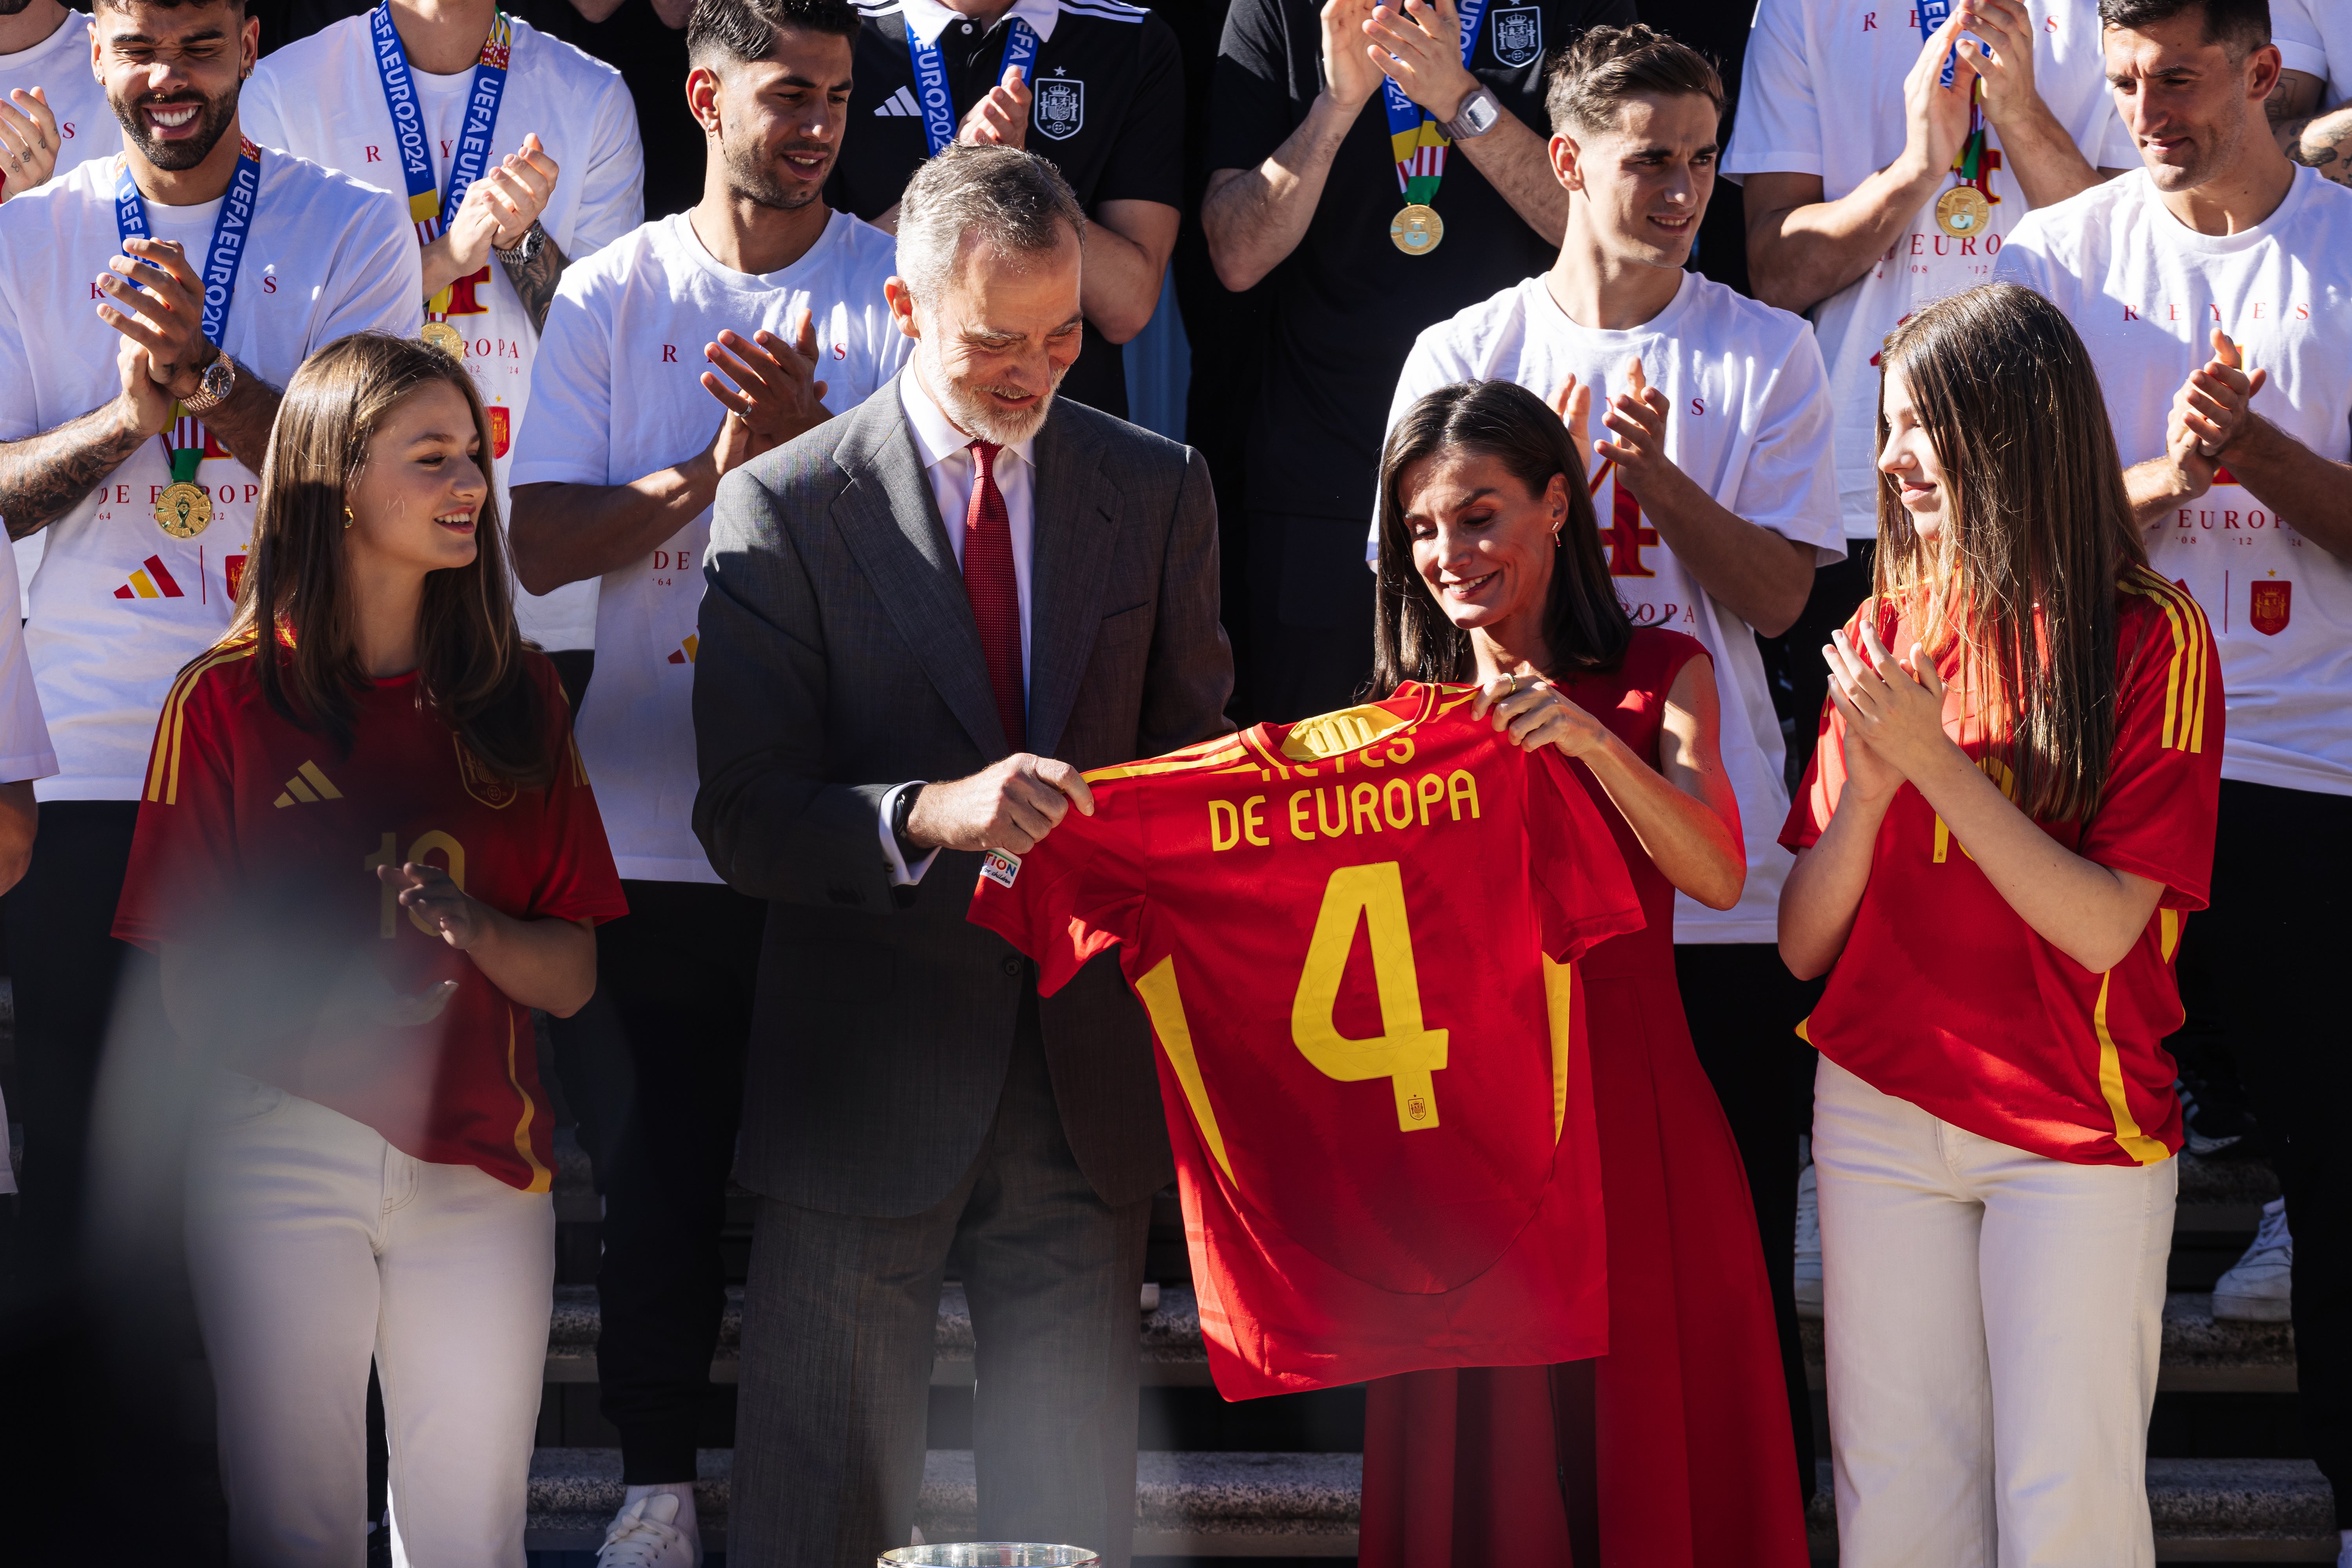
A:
[(891, 522), (1070, 558)]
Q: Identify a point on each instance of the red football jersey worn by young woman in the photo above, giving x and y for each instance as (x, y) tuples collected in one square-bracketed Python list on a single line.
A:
[(1355, 937), (251, 823), (1946, 998)]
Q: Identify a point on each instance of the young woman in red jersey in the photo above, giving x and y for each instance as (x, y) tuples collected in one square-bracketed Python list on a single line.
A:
[(365, 850), (2011, 809), (1674, 1449)]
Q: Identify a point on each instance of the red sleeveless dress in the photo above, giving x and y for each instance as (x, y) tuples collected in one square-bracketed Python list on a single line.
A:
[(1683, 1427)]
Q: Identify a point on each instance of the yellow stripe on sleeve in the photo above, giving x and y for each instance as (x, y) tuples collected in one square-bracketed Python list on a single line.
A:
[(164, 766), (1559, 1008), (1158, 991)]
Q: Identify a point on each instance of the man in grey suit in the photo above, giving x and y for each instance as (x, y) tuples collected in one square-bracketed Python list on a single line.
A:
[(966, 583)]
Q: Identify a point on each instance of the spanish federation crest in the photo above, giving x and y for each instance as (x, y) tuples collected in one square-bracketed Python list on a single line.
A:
[(1061, 112), (1518, 35)]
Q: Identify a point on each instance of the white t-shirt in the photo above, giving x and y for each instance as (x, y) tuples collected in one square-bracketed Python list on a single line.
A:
[(2146, 293), (2314, 36), (320, 97), (1821, 93), (618, 396), (118, 605), (59, 66), (24, 749), (1750, 424)]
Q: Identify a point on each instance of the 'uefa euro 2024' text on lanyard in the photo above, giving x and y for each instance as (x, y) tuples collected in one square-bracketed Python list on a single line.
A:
[(183, 510), (932, 78), (1964, 209), (435, 210), (1420, 150)]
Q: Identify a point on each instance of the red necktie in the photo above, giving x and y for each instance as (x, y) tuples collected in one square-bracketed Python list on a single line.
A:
[(995, 594)]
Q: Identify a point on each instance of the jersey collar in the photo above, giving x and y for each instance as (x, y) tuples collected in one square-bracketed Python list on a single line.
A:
[(929, 18)]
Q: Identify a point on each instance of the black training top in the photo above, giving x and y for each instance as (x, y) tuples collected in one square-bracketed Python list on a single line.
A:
[(1108, 111), (1347, 302)]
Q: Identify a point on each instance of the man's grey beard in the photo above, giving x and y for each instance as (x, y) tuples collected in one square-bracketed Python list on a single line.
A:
[(971, 411), (213, 120)]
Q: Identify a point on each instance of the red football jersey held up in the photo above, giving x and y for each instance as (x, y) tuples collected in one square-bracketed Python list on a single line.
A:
[(250, 824), (1945, 997), (1355, 937)]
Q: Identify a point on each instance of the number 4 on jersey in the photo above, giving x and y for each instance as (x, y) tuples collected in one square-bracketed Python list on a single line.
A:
[(1404, 1052)]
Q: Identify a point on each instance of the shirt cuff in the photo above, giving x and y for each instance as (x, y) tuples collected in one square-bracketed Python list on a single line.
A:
[(901, 874)]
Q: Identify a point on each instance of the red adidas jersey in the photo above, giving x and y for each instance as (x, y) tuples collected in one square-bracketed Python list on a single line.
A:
[(249, 819), (1946, 998), (1355, 937)]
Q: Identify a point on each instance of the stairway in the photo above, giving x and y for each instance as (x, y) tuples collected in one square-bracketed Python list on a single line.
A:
[(1281, 1477)]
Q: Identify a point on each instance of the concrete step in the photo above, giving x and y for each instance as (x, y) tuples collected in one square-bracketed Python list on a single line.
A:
[(1169, 1338), (1306, 1505), (2222, 1197), (2203, 1354), (2205, 1511), (1192, 1505)]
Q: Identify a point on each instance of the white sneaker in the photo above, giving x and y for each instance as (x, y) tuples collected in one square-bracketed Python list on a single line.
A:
[(2255, 1289), (1809, 1245), (646, 1535)]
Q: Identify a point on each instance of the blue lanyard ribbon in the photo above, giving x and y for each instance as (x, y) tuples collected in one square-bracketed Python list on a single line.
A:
[(1932, 14), (230, 231), (434, 210), (1418, 145), (931, 76)]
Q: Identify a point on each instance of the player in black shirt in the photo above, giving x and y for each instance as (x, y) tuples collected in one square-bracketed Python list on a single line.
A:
[(1305, 188), (1102, 97)]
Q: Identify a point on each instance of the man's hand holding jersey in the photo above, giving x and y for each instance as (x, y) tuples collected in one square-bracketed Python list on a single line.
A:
[(1010, 805)]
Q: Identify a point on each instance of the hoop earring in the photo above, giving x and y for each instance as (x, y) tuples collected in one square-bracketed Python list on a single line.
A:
[(347, 519)]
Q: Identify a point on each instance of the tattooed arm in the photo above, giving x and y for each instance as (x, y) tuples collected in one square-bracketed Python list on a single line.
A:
[(534, 280), (43, 476), (2314, 137)]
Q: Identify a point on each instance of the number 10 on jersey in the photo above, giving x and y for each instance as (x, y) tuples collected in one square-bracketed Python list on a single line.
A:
[(1404, 1052)]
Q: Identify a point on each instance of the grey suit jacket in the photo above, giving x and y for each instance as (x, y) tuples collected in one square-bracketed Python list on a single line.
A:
[(838, 657)]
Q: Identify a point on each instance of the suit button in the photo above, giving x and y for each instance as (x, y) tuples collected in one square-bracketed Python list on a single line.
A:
[(1013, 967)]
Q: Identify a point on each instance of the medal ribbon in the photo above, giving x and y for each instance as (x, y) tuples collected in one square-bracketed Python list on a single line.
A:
[(931, 76), (432, 210), (222, 260), (1418, 144)]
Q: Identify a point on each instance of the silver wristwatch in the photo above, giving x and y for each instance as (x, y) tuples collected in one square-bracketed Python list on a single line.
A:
[(1479, 113), (213, 384), (526, 249)]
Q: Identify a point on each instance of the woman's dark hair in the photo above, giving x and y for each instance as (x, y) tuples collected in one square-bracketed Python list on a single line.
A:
[(470, 667), (1585, 627), (2037, 538)]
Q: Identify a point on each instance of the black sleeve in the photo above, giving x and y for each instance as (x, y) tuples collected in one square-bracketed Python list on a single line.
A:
[(1250, 111), (1147, 159)]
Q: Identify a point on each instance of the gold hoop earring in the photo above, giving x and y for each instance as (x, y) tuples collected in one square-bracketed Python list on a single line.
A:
[(347, 518)]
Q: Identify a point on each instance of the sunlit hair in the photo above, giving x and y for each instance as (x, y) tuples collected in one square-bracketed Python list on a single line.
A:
[(2038, 534), (1585, 627), (1588, 82), (469, 654)]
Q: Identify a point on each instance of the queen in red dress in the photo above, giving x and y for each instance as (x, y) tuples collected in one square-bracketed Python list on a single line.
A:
[(1674, 1449)]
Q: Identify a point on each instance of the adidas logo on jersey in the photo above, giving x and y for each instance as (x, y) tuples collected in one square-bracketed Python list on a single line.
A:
[(901, 103), (151, 581), (684, 652), (309, 785)]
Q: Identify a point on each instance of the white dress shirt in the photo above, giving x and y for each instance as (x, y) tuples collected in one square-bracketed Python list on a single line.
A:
[(949, 465)]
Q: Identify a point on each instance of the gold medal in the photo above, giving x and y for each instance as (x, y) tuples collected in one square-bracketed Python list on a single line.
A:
[(183, 511), (1417, 229), (445, 338), (1962, 211)]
